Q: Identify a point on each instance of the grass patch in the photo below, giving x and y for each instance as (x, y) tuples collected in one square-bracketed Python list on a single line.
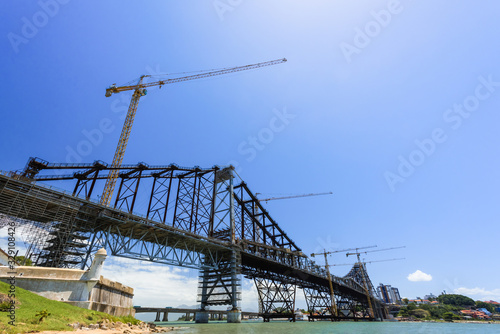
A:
[(61, 314)]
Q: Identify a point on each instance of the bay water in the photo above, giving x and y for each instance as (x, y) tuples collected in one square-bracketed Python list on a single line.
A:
[(321, 327)]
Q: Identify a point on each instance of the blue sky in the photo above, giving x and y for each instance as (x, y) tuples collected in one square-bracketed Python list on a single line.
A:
[(391, 105)]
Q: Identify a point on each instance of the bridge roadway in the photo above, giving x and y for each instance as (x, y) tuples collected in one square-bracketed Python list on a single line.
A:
[(187, 311), (125, 234)]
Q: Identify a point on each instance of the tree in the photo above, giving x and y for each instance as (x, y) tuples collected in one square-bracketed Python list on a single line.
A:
[(419, 313), (449, 316), (489, 307), (411, 306), (23, 261), (403, 312), (405, 301), (457, 300)]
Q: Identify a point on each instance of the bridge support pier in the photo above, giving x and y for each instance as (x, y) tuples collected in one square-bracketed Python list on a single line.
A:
[(201, 317), (165, 316), (157, 317), (221, 286), (234, 317), (276, 297), (319, 303)]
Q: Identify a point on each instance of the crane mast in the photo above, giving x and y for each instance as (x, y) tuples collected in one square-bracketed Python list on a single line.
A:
[(122, 145), (140, 90)]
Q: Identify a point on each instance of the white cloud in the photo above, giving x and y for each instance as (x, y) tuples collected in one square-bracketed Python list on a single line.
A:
[(478, 293), (419, 276), (154, 285), (157, 285)]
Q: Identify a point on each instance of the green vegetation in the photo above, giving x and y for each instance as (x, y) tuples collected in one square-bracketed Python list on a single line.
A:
[(427, 311), (448, 316), (23, 261), (448, 309), (438, 311), (36, 313), (282, 310), (489, 307), (42, 315), (457, 300)]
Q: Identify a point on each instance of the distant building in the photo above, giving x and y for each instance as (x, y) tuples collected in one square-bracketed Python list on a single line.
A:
[(485, 311), (494, 303), (474, 314), (389, 294)]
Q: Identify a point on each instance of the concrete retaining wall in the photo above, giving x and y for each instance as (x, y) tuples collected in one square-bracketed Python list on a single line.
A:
[(112, 298), (86, 289)]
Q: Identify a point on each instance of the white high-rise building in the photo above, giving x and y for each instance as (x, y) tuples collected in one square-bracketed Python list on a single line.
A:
[(389, 294)]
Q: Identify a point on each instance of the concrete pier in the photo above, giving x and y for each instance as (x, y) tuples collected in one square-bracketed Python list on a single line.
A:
[(234, 316), (201, 317)]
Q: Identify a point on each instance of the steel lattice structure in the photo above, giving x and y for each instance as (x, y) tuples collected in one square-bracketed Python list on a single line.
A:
[(191, 217)]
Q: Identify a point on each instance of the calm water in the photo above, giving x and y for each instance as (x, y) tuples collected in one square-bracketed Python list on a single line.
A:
[(338, 327)]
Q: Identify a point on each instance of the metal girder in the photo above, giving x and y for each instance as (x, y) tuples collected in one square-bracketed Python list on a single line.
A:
[(255, 223), (160, 197), (127, 191), (276, 297), (85, 184), (151, 247), (319, 303)]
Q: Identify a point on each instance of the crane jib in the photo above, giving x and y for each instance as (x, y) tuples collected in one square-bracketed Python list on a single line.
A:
[(114, 89)]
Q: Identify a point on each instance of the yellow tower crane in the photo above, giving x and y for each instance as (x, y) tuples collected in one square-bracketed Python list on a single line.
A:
[(140, 90)]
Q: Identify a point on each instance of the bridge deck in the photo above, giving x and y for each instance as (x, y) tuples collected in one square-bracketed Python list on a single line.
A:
[(186, 310)]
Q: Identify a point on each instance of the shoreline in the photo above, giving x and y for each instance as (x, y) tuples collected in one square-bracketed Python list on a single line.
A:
[(490, 322)]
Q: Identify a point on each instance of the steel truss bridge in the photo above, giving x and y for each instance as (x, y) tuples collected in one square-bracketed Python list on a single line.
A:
[(198, 218)]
